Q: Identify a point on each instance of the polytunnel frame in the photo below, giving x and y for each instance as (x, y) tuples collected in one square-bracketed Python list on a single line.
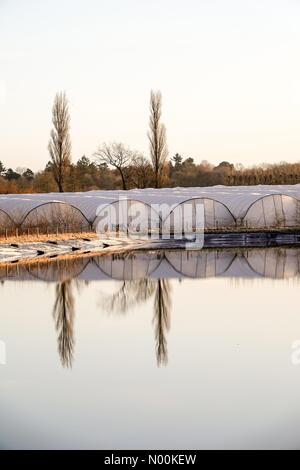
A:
[(9, 216), (265, 196), (202, 198), (54, 202), (128, 200)]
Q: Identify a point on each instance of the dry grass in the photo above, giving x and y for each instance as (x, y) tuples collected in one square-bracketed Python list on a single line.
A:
[(44, 237), (25, 238)]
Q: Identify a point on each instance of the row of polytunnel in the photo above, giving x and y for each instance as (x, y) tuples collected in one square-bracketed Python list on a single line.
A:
[(167, 209)]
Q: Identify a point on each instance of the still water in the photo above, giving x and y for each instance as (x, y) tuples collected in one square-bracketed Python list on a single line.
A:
[(157, 350)]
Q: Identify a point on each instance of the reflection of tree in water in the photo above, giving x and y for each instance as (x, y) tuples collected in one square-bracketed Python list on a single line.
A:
[(133, 293), (161, 319), (64, 313), (130, 294)]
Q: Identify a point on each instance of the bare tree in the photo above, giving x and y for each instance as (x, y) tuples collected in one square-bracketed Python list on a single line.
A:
[(141, 172), (157, 137), (118, 156), (60, 143)]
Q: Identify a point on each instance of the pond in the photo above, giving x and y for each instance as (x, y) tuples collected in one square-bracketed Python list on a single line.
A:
[(152, 349)]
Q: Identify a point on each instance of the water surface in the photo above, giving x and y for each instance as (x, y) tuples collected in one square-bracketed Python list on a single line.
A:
[(152, 350)]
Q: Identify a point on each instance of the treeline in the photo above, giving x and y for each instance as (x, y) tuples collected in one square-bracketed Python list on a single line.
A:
[(187, 173), (86, 175), (115, 166)]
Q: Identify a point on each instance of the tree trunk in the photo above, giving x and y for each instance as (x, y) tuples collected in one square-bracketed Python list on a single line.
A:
[(123, 178)]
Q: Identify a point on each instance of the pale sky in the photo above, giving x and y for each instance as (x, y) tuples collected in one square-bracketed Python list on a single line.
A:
[(228, 70)]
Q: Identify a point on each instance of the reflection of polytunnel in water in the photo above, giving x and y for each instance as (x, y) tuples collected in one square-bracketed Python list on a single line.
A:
[(141, 265), (131, 266), (204, 263), (276, 210), (276, 263), (197, 213), (58, 270), (15, 272), (127, 216)]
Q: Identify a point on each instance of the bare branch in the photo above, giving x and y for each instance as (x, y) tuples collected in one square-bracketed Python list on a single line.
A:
[(116, 155)]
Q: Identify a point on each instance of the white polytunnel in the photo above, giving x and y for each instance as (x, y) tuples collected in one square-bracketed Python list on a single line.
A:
[(127, 216), (276, 210), (30, 212), (223, 207), (188, 216), (55, 214)]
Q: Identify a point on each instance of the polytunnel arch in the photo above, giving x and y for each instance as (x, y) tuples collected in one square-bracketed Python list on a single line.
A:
[(216, 214), (61, 214), (6, 221), (273, 211), (150, 218)]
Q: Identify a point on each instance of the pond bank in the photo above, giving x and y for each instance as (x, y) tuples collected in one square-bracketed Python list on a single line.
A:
[(79, 245)]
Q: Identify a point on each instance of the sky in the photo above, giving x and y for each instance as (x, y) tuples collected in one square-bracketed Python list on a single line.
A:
[(228, 70)]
